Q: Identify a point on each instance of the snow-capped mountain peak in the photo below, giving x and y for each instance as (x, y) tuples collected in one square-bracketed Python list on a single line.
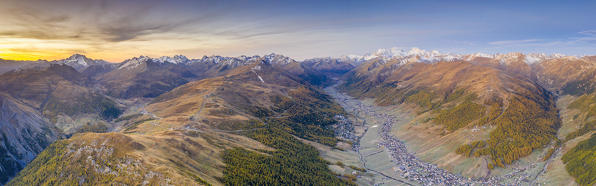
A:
[(231, 61), (278, 59), (530, 58), (134, 62), (404, 55), (77, 58), (396, 52), (177, 59), (79, 61)]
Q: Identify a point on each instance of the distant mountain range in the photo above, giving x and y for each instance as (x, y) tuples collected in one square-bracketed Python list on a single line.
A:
[(81, 62)]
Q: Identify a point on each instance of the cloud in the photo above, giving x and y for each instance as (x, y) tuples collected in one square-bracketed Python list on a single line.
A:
[(515, 42), (588, 32), (581, 44), (106, 22), (37, 34), (588, 36), (103, 22), (41, 25), (143, 21), (247, 33), (123, 31)]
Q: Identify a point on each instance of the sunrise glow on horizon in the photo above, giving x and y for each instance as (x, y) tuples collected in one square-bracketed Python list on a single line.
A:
[(117, 30)]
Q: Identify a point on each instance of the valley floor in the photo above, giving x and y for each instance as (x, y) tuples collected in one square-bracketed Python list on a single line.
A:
[(373, 157), (389, 162)]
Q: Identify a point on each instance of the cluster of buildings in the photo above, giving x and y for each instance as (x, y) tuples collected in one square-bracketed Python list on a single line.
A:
[(344, 129), (416, 170), (406, 164)]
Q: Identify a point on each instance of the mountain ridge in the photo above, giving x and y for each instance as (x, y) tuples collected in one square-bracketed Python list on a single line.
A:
[(254, 97)]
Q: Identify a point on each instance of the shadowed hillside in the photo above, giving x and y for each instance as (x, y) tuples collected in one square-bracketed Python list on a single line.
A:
[(252, 112)]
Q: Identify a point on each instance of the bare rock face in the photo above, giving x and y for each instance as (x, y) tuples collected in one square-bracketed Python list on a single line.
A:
[(24, 133)]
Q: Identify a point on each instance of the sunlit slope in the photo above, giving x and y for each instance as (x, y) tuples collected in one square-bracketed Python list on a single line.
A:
[(462, 97), (581, 161), (257, 92), (193, 135), (174, 157)]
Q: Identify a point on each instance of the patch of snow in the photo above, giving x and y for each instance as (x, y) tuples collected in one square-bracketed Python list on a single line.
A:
[(79, 62), (404, 56), (533, 59), (254, 70), (177, 59), (134, 62)]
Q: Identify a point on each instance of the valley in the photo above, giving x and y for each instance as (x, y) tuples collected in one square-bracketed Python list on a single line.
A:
[(392, 163), (299, 93), (401, 120)]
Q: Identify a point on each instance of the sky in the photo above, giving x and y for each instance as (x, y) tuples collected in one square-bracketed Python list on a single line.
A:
[(116, 30)]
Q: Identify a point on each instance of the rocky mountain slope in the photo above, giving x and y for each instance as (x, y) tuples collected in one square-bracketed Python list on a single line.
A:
[(60, 93), (42, 104), (24, 134), (189, 134), (80, 62)]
